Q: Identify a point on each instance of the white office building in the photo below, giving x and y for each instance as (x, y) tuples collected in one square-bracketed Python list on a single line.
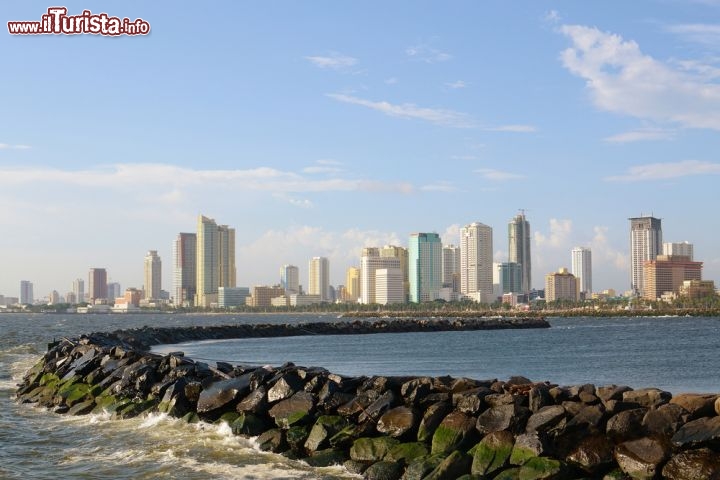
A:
[(476, 261), (582, 268)]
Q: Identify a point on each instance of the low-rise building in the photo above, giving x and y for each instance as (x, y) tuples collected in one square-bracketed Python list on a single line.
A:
[(667, 272), (561, 285)]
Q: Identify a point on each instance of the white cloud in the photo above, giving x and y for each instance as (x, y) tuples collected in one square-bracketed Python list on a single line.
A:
[(639, 135), (328, 161), (321, 169), (552, 16), (456, 84), (427, 54), (622, 79), (704, 33), (334, 61), (158, 175), (512, 128), (409, 110), (451, 235), (665, 171), (498, 175), (559, 235), (7, 146), (604, 254)]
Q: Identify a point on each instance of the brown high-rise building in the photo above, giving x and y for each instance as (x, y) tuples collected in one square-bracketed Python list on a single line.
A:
[(97, 285), (667, 273)]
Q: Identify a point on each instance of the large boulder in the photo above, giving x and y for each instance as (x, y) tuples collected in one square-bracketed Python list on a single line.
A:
[(376, 409), (626, 425), (372, 449), (642, 459), (432, 418), (285, 386), (397, 422), (325, 428), (702, 464), (611, 392), (593, 454), (664, 420), (697, 404), (541, 468), (545, 419), (221, 393), (294, 410), (454, 466), (698, 432), (254, 402), (492, 453), (504, 417), (407, 452), (383, 471), (456, 431), (647, 397)]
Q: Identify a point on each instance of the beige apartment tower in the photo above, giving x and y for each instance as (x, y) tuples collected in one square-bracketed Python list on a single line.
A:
[(153, 275), (215, 260)]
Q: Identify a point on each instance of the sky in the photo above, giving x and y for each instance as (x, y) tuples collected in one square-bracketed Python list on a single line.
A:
[(318, 128)]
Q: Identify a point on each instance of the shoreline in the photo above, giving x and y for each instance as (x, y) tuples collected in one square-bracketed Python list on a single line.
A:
[(388, 426)]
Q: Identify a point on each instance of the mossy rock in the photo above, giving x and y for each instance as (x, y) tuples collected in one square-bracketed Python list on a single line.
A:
[(82, 408), (49, 379), (296, 436), (372, 449), (248, 424), (326, 458), (454, 433), (420, 467), (103, 402), (325, 428), (73, 393), (191, 417), (453, 466), (509, 474), (272, 440), (406, 452), (540, 468), (228, 417), (520, 455), (383, 470), (133, 409), (492, 453)]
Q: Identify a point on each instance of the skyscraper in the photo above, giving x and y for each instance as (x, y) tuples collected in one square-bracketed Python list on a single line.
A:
[(184, 264), (26, 292), (476, 260), (451, 267), (402, 254), (97, 285), (352, 284), (645, 244), (425, 267), (113, 290), (215, 259), (519, 248), (319, 278), (684, 249), (582, 268), (153, 276), (370, 262), (79, 290), (290, 279)]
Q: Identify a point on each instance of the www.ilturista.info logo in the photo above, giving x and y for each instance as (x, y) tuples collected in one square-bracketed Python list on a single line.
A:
[(57, 22)]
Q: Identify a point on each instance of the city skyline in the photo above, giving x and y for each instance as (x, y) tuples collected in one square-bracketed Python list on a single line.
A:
[(314, 143)]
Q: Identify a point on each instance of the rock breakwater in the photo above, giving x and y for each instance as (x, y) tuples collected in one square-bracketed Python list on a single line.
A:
[(389, 427)]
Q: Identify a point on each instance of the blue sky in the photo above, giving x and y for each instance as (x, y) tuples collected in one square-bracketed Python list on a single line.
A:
[(317, 128)]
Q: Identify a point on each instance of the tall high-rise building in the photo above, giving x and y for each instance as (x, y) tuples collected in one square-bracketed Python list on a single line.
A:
[(425, 267), (561, 285), (389, 285), (319, 278), (26, 292), (153, 275), (352, 284), (476, 260), (227, 272), (290, 279), (645, 244), (79, 290), (519, 248), (402, 254), (184, 265), (508, 276), (370, 262), (97, 285), (114, 290), (666, 273), (451, 267), (684, 249), (582, 268), (215, 259)]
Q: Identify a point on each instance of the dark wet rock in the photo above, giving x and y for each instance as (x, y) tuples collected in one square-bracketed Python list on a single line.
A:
[(82, 408), (492, 453), (255, 402), (248, 424), (593, 454), (518, 380), (616, 406), (455, 465), (284, 387), (433, 416), (419, 468), (702, 464), (698, 433), (500, 399), (398, 422), (696, 404), (374, 449), (355, 466), (611, 392), (296, 437), (376, 409), (626, 425), (221, 393), (294, 410), (527, 445), (504, 417), (643, 458), (545, 419), (470, 401), (272, 440), (383, 471), (590, 417), (358, 404), (326, 458), (647, 397), (664, 420), (538, 397), (414, 390), (456, 431), (325, 427)]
